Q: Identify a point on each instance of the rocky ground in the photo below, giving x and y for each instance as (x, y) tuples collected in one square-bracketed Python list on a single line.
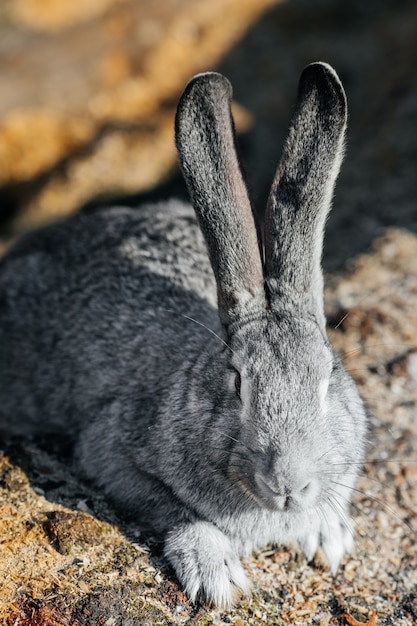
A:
[(88, 94)]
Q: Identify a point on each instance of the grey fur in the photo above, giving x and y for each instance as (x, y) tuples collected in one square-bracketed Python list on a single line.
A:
[(303, 187), (98, 340)]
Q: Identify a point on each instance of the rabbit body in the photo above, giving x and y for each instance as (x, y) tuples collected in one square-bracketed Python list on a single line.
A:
[(200, 389), (93, 294)]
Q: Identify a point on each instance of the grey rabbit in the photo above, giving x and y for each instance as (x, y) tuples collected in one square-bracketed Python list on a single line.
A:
[(201, 390)]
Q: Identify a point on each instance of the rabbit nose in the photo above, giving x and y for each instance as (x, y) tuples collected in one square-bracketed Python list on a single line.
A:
[(308, 491), (277, 488), (285, 495)]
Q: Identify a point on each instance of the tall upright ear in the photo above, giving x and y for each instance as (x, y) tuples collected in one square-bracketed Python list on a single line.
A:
[(302, 191), (206, 148)]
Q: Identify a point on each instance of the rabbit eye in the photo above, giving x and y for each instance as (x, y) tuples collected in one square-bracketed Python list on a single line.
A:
[(238, 383)]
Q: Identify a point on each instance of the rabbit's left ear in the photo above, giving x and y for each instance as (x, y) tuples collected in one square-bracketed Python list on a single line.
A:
[(206, 149), (302, 191)]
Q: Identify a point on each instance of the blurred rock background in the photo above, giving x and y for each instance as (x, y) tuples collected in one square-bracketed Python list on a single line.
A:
[(89, 88), (89, 94)]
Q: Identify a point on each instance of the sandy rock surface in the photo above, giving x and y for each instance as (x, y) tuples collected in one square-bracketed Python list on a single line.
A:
[(88, 96)]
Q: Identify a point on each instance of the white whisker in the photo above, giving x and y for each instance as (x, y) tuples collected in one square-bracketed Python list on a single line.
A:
[(378, 501), (335, 505), (191, 319), (231, 438), (360, 301)]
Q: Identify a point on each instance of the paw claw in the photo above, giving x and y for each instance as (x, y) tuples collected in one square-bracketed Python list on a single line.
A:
[(206, 564), (309, 545), (332, 535)]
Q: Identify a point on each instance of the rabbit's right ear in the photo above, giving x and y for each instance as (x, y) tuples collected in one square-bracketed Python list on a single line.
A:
[(206, 148), (302, 191)]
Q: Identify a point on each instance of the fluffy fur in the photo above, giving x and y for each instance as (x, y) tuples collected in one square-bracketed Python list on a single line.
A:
[(201, 390)]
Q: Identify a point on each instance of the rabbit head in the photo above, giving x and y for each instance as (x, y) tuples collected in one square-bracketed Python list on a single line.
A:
[(300, 417)]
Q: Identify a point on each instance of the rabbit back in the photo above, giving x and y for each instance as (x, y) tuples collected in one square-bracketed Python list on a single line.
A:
[(94, 305)]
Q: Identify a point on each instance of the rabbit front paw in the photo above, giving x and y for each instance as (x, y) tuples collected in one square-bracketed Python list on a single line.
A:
[(333, 535), (205, 563)]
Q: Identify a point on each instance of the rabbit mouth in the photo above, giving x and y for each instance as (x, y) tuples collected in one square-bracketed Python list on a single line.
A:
[(276, 500), (265, 497), (275, 490), (279, 498)]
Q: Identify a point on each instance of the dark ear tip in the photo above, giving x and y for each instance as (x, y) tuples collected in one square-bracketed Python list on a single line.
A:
[(322, 78), (207, 84)]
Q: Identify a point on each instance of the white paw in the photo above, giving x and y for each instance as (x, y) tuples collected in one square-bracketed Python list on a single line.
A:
[(336, 540), (310, 543), (205, 563), (332, 534)]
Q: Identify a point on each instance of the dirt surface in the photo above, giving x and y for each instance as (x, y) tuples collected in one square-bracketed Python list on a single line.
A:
[(88, 96)]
